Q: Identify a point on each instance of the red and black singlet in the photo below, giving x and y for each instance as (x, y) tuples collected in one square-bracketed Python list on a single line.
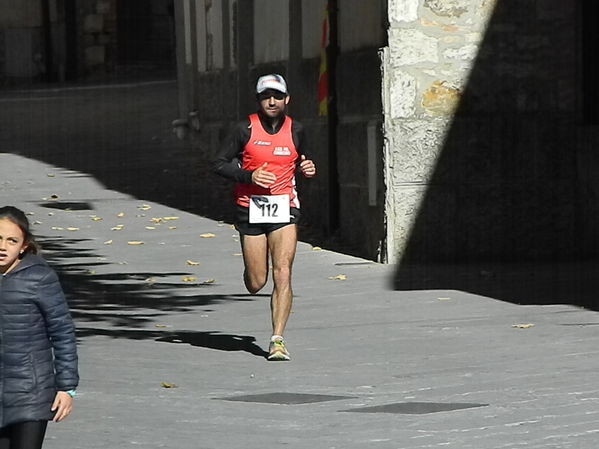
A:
[(279, 152)]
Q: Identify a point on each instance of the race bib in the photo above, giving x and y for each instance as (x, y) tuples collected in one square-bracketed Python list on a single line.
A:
[(269, 209)]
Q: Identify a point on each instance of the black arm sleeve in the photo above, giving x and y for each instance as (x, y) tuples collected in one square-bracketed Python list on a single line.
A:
[(299, 139), (228, 159)]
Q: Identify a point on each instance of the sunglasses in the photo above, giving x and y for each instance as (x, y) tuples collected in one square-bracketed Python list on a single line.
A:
[(267, 94)]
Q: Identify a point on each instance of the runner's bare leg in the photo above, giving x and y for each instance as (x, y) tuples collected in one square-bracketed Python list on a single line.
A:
[(282, 244), (255, 259)]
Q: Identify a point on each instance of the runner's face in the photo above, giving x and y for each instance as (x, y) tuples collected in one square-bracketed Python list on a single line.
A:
[(12, 241), (272, 103)]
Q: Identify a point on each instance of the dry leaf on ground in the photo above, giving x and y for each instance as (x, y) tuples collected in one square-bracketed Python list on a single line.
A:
[(523, 326), (135, 242), (191, 262), (189, 279), (208, 235), (339, 277), (167, 385)]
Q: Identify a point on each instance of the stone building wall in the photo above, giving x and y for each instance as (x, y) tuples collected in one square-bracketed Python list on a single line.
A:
[(482, 127), (226, 44)]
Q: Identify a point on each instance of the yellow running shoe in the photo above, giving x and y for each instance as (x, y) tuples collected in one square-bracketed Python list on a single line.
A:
[(277, 351)]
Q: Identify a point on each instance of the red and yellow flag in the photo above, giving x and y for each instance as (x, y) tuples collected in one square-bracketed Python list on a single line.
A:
[(323, 76)]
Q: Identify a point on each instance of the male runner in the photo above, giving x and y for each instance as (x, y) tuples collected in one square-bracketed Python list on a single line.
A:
[(262, 155)]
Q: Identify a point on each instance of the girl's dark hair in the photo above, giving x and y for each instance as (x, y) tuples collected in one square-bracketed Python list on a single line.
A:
[(18, 217)]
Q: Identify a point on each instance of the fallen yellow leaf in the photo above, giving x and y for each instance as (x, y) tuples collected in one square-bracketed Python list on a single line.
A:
[(170, 218), (339, 277), (117, 228), (167, 385), (120, 214), (96, 219), (135, 242), (209, 281), (57, 228), (144, 207), (316, 248), (72, 229), (172, 227), (151, 228), (191, 262), (189, 279), (108, 242), (208, 235), (523, 326), (156, 220)]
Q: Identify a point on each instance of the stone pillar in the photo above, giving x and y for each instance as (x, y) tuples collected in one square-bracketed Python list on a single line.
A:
[(481, 129), (98, 36), (432, 46)]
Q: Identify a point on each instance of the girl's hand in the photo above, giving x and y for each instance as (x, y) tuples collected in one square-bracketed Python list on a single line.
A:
[(63, 404)]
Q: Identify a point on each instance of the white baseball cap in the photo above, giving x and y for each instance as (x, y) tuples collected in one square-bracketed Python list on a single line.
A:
[(272, 81)]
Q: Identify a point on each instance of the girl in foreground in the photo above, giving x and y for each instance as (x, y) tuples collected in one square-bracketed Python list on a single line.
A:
[(38, 360)]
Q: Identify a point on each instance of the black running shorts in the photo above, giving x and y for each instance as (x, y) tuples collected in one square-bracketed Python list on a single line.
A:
[(243, 225)]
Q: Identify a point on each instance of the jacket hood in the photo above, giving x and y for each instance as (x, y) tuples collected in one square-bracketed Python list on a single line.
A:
[(29, 260)]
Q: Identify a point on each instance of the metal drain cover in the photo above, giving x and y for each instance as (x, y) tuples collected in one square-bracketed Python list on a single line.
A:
[(64, 205), (416, 408), (286, 398)]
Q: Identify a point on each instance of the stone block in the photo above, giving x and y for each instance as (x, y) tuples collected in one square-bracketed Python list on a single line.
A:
[(416, 147), (448, 8), (95, 55), (404, 11), (93, 23), (402, 94), (440, 99), (412, 46), (464, 53), (103, 7)]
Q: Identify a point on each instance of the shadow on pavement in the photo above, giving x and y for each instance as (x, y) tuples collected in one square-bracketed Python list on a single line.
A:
[(117, 302), (211, 340), (574, 283)]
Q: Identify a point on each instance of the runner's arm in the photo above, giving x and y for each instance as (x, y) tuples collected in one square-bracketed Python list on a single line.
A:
[(228, 159), (304, 162)]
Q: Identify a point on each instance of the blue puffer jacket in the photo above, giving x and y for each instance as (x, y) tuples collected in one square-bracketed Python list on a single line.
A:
[(38, 352)]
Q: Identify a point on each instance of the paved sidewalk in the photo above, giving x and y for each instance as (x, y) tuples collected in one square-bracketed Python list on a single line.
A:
[(158, 301)]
